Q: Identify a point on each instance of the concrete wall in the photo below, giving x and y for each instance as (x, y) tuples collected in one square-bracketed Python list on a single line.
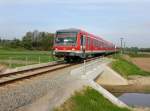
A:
[(110, 77), (99, 68)]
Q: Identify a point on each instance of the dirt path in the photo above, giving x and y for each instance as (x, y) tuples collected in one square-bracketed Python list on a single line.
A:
[(139, 80), (141, 109), (143, 63), (2, 68), (137, 84)]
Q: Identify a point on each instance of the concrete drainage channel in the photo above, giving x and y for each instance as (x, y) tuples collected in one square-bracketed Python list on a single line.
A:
[(90, 72)]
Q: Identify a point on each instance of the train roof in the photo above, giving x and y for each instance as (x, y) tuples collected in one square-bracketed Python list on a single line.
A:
[(69, 30), (79, 30)]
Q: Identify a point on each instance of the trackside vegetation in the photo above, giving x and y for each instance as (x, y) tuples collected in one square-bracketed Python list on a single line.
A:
[(127, 68), (20, 57), (88, 100), (139, 55), (31, 41)]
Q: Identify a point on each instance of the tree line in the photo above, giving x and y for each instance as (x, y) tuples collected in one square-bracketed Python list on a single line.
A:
[(31, 41), (44, 41), (136, 49)]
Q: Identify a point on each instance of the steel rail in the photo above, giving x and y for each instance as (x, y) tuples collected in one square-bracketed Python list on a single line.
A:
[(27, 76), (30, 69), (15, 76)]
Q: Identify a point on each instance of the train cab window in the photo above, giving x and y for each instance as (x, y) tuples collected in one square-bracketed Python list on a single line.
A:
[(66, 38)]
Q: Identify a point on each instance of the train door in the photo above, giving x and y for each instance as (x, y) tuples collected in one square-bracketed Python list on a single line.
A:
[(89, 46), (83, 44)]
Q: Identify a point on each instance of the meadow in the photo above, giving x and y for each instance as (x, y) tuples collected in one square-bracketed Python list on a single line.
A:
[(20, 57), (127, 68)]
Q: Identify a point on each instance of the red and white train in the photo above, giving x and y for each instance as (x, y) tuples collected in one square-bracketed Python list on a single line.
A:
[(76, 44)]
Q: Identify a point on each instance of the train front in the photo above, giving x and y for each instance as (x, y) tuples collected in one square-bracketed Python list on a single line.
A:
[(66, 44)]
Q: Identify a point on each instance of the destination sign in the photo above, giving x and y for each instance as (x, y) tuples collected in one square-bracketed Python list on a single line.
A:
[(66, 35)]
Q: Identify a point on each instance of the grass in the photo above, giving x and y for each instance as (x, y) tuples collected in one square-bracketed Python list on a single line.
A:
[(89, 100), (18, 57), (126, 68)]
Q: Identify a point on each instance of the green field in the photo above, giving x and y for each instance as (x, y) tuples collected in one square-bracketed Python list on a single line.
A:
[(19, 57), (126, 68), (89, 100), (138, 54)]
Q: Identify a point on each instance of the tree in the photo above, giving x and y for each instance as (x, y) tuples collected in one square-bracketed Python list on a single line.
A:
[(135, 49), (38, 40), (31, 41), (16, 43), (27, 41), (47, 41)]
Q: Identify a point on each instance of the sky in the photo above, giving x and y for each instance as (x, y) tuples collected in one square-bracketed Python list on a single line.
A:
[(109, 19)]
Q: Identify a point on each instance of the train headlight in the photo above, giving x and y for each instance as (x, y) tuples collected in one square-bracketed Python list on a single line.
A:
[(73, 49), (56, 49)]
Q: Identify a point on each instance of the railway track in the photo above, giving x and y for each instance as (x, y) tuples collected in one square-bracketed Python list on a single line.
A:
[(7, 78), (10, 77)]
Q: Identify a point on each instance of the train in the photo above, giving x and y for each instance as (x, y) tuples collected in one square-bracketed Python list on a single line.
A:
[(76, 45)]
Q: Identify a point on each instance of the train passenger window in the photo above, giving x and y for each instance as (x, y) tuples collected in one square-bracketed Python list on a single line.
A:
[(102, 44), (88, 40), (96, 43)]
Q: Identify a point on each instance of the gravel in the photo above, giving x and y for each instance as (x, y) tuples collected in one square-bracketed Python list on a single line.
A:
[(56, 85), (25, 92)]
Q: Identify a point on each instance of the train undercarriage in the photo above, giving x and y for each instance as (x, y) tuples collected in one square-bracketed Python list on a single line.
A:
[(78, 57)]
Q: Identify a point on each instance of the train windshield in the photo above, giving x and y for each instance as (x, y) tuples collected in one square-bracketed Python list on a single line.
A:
[(66, 38)]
